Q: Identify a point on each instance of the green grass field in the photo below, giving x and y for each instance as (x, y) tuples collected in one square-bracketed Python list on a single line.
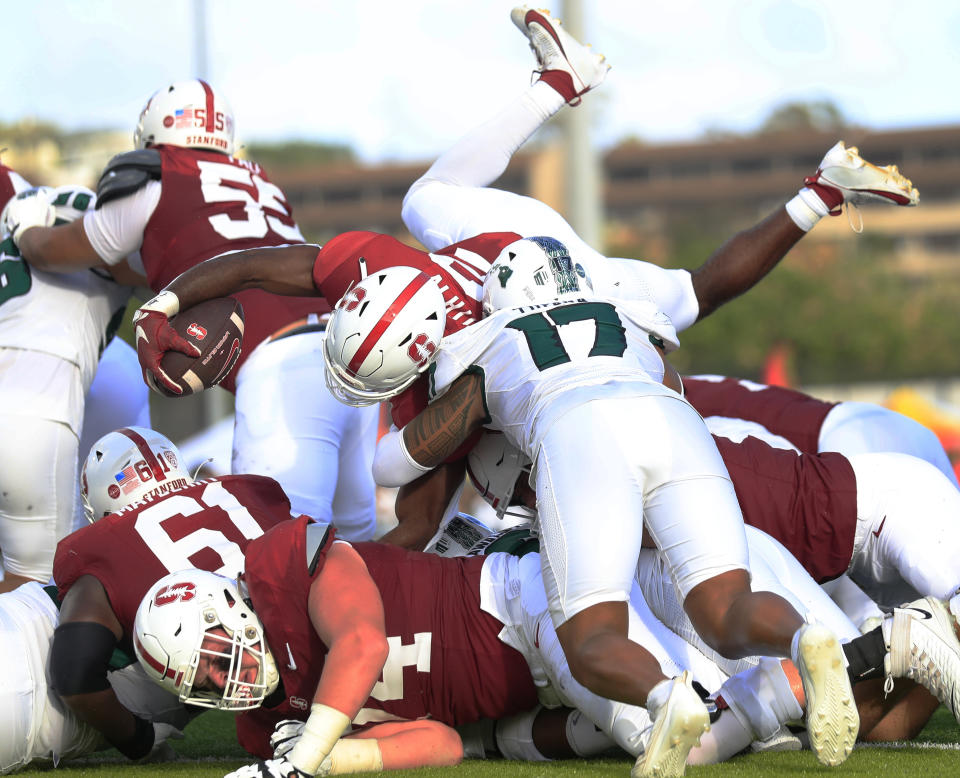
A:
[(210, 749)]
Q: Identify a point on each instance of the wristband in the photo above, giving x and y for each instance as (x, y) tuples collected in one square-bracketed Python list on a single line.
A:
[(139, 745), (166, 303), (322, 730)]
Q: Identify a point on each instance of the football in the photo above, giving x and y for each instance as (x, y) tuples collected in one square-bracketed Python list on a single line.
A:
[(216, 328)]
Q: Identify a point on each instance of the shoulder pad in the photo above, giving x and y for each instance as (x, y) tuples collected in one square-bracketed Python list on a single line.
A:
[(316, 542), (126, 173)]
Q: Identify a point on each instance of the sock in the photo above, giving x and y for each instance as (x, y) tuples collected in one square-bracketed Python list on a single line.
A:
[(865, 656), (809, 206)]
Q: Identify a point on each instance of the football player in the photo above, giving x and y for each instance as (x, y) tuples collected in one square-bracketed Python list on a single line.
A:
[(180, 198), (53, 329), (150, 517), (458, 639)]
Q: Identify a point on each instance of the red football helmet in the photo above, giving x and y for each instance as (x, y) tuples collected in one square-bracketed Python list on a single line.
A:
[(382, 334), (189, 114)]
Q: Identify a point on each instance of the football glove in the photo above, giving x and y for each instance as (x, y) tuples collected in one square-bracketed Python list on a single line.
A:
[(29, 209), (285, 736), (154, 336), (271, 768)]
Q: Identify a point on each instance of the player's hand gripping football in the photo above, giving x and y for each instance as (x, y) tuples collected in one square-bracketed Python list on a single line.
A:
[(271, 768), (154, 336)]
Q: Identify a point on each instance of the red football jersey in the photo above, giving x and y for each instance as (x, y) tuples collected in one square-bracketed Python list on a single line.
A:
[(785, 412), (209, 204), (459, 270), (7, 189), (207, 525), (806, 501), (445, 661)]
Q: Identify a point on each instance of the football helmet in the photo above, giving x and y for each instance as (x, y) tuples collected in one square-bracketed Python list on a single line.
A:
[(189, 114), (493, 465), (382, 334), (531, 270), (126, 465), (196, 620)]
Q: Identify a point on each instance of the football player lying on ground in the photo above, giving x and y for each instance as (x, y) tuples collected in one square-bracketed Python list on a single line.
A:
[(450, 200), (454, 639), (150, 517)]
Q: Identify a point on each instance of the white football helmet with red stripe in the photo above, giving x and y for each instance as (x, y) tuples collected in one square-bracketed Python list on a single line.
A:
[(189, 114), (383, 333), (127, 465), (197, 637)]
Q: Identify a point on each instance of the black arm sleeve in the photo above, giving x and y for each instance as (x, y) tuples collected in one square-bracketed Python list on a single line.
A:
[(80, 657)]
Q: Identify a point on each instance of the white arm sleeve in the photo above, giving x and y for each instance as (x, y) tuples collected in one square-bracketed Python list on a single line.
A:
[(392, 464), (116, 229), (634, 279)]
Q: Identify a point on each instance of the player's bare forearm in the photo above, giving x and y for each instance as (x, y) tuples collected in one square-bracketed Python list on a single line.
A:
[(104, 712), (421, 504), (743, 260), (62, 249), (408, 745), (439, 430), (285, 270)]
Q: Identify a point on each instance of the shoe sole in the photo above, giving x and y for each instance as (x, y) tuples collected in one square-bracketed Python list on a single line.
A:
[(832, 718), (683, 728)]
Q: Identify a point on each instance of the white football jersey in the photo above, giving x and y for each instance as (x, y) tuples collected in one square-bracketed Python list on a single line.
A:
[(67, 315), (534, 359)]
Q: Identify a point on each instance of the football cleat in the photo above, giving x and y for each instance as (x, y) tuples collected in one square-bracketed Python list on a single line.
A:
[(570, 67), (846, 177), (832, 718), (922, 645), (678, 724)]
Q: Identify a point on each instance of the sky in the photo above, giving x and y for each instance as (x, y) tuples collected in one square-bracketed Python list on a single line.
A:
[(399, 81)]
